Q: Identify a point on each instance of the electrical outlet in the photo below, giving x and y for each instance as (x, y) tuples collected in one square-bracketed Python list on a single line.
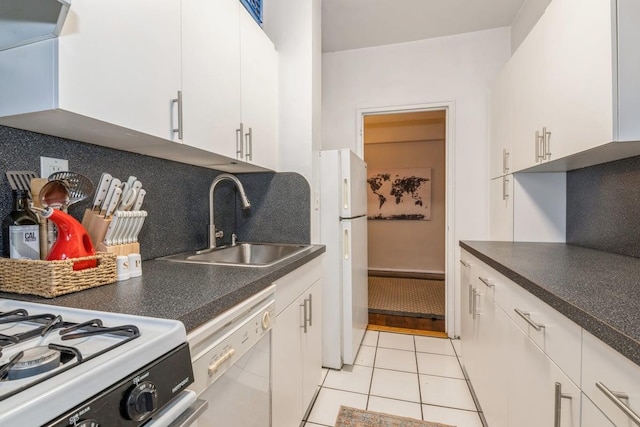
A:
[(49, 165)]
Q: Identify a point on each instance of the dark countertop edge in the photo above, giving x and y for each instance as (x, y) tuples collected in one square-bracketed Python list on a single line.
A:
[(622, 343), (214, 308), (198, 313)]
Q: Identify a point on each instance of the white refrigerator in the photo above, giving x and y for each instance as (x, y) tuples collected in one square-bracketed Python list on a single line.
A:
[(343, 229)]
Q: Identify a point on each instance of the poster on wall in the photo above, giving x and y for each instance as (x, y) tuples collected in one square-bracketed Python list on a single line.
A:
[(399, 194)]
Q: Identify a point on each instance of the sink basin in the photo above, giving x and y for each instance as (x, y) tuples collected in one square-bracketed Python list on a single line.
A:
[(242, 254)]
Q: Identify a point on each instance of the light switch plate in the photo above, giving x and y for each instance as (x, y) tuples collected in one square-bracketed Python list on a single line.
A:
[(49, 165)]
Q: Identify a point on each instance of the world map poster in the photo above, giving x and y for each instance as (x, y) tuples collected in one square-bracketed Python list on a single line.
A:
[(399, 194)]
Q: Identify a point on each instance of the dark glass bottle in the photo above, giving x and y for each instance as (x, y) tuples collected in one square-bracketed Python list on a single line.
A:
[(20, 230)]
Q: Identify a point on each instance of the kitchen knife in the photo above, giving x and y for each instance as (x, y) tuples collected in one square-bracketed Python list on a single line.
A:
[(113, 203), (101, 192), (115, 183), (138, 203)]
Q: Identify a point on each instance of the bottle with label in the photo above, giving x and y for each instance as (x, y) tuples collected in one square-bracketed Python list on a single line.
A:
[(20, 229)]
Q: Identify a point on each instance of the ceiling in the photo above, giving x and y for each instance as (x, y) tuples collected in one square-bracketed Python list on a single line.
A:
[(354, 24)]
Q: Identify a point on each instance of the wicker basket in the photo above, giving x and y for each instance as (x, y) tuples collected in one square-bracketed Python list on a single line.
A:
[(53, 278)]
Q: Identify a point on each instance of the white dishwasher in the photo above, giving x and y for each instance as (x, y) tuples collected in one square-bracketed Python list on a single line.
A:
[(231, 356)]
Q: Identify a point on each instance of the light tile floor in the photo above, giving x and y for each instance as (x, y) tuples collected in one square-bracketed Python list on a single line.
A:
[(408, 375)]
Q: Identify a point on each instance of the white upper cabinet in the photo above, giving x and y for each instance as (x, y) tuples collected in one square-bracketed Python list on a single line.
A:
[(259, 94), (573, 86), (167, 78), (102, 67), (211, 74), (229, 82)]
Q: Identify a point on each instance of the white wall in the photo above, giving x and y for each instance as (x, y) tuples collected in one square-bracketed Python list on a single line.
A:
[(295, 29), (456, 70)]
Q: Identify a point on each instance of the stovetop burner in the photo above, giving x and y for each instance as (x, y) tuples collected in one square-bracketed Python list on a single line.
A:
[(32, 361)]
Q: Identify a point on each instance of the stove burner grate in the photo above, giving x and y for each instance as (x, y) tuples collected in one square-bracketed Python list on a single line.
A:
[(55, 358)]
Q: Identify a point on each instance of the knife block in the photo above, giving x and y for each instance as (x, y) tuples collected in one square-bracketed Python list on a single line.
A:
[(97, 226)]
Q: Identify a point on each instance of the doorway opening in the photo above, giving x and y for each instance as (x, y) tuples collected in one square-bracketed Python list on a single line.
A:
[(406, 156)]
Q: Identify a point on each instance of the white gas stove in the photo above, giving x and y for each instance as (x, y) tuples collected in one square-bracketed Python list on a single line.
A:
[(70, 367)]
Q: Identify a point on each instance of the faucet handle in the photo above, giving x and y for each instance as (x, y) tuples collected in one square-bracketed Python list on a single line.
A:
[(219, 234), (234, 239)]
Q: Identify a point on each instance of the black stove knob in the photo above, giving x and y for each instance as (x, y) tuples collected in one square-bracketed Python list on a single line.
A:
[(142, 401), (87, 423)]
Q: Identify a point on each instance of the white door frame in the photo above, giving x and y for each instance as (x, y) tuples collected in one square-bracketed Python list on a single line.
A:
[(452, 297)]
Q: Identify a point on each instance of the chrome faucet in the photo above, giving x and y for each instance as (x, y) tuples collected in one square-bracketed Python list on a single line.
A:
[(213, 233)]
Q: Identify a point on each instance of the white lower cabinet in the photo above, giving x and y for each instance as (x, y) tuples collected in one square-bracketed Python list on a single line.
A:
[(516, 381), (607, 376), (296, 344), (539, 393), (592, 416)]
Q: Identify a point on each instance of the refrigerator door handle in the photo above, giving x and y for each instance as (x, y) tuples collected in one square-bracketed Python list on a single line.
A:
[(345, 194), (345, 244)]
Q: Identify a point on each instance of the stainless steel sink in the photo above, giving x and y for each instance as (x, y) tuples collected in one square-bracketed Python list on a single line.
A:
[(242, 254)]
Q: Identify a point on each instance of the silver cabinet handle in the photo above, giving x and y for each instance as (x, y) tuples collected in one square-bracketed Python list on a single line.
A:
[(557, 413), (538, 146), (527, 317), (616, 398), (505, 156), (239, 142), (487, 282), (476, 294), (505, 194), (546, 137), (464, 263), (179, 129), (471, 298), (249, 138), (305, 315), (310, 310)]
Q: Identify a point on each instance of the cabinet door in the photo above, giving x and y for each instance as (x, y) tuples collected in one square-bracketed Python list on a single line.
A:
[(500, 123), (466, 315), (501, 208), (592, 416), (490, 379), (259, 88), (287, 368), (605, 366), (532, 386), (579, 79), (528, 96), (312, 345), (110, 70), (211, 75)]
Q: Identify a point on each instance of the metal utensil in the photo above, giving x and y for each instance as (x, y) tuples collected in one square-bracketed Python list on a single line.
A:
[(54, 194), (80, 187), (21, 180)]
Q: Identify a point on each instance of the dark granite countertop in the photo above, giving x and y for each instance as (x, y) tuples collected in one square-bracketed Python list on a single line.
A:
[(191, 293), (600, 291)]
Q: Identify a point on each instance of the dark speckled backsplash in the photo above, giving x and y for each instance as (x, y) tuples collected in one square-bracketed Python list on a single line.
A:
[(177, 194), (603, 207)]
